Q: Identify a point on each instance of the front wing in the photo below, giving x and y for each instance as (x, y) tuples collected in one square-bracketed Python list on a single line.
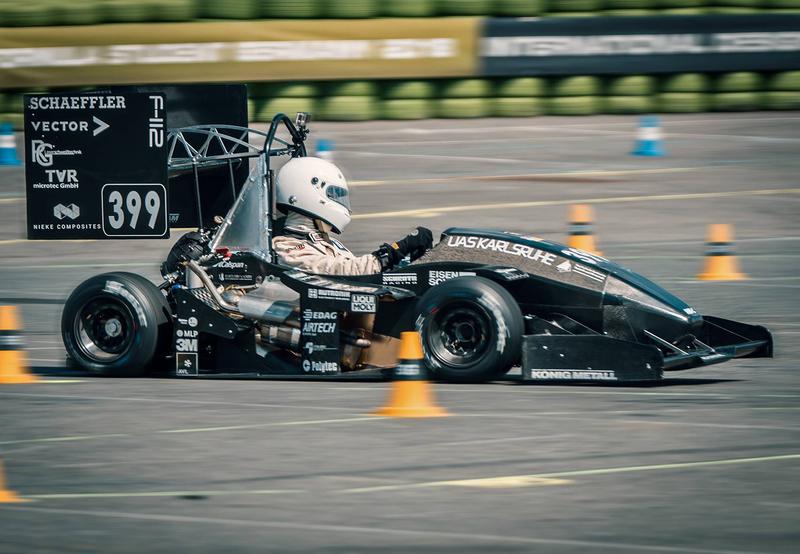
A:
[(596, 357)]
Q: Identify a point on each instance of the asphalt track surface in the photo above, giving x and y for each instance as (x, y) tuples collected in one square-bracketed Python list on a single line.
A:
[(706, 462)]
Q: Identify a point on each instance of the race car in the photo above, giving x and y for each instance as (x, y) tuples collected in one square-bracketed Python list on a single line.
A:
[(483, 301)]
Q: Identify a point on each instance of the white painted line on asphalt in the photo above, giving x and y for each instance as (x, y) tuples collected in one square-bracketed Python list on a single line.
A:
[(753, 258), (793, 505), (517, 140), (476, 159), (29, 348), (592, 415), (373, 530), (690, 242), (88, 265), (179, 401), (737, 283), (541, 176), (145, 494), (588, 472), (272, 424), (194, 430), (490, 441), (746, 138), (509, 482), (601, 200), (676, 423), (671, 134), (683, 279), (492, 128), (17, 241), (66, 439)]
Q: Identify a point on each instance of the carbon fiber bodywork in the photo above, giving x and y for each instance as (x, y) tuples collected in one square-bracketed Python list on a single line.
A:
[(588, 318)]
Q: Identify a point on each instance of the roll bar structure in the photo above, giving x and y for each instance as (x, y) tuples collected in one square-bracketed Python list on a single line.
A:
[(198, 148)]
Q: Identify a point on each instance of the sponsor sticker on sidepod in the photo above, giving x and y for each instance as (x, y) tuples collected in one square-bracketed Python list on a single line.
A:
[(502, 246), (573, 374)]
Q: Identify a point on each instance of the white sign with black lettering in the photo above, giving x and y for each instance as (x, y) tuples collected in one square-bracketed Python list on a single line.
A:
[(363, 303), (134, 209)]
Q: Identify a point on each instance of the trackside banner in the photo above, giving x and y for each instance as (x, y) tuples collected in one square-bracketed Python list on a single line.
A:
[(238, 51), (618, 45)]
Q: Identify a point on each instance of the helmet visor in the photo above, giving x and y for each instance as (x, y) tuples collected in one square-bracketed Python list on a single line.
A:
[(338, 194)]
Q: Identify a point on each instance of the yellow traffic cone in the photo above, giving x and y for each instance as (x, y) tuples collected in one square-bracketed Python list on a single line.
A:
[(581, 234), (13, 367), (721, 264), (7, 496), (411, 394)]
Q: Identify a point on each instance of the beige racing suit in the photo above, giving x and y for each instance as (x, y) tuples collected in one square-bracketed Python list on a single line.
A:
[(303, 247)]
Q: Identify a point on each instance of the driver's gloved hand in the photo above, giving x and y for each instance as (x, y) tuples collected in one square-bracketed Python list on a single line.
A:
[(413, 245)]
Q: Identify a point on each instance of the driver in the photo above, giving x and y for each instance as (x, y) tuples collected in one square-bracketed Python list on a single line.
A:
[(314, 194)]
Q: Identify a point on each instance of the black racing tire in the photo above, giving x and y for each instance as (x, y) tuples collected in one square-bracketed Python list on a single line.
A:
[(471, 330), (116, 325)]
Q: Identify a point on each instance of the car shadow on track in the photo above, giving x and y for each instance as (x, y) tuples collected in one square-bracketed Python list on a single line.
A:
[(378, 377)]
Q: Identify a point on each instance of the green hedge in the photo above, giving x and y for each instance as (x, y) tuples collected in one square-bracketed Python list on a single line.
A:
[(515, 106), (521, 87), (630, 85), (408, 8), (735, 101), (508, 97), (31, 13), (406, 108), (348, 108), (408, 90), (458, 108), (781, 100), (572, 105), (574, 86), (627, 104)]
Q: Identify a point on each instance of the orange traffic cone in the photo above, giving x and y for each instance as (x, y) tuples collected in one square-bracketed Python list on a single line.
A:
[(411, 394), (721, 263), (581, 234), (7, 496), (13, 368)]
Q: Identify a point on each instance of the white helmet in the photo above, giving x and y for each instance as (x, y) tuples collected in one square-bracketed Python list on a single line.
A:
[(316, 188)]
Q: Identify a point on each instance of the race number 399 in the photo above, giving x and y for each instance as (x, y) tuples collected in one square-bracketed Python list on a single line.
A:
[(134, 210)]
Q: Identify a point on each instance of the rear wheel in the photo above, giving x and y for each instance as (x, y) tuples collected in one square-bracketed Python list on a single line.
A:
[(116, 324), (471, 329)]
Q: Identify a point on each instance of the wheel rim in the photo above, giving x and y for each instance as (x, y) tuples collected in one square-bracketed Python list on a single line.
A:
[(459, 335), (104, 329)]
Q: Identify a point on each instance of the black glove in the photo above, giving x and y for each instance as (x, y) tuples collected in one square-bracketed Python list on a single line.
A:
[(414, 246)]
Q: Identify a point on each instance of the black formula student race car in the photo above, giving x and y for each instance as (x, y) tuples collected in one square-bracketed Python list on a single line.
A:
[(483, 301)]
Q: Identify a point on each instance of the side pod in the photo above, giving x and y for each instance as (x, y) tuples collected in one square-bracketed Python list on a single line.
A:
[(588, 358)]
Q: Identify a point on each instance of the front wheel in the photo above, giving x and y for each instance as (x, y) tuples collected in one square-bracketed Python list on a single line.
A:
[(116, 324), (471, 329)]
